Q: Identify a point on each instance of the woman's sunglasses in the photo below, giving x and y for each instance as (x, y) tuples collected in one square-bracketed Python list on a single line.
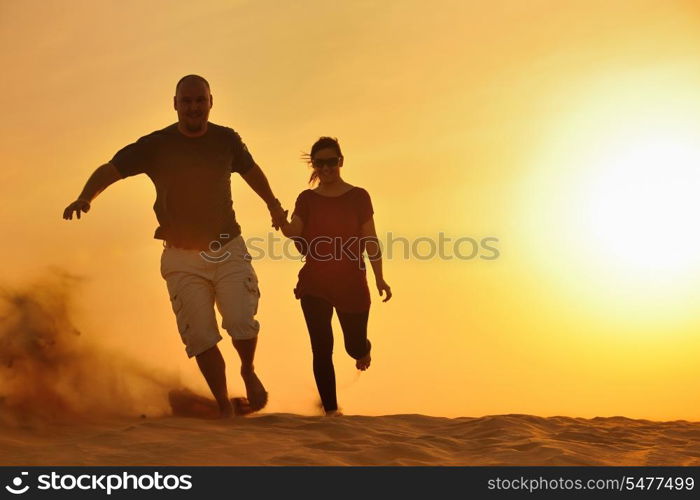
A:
[(320, 162)]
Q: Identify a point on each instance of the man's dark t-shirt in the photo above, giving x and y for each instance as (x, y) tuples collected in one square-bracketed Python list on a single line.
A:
[(192, 176)]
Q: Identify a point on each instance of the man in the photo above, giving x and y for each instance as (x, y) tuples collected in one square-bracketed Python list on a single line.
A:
[(205, 260)]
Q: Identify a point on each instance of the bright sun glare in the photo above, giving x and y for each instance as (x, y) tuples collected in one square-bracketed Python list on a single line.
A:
[(612, 210), (643, 203)]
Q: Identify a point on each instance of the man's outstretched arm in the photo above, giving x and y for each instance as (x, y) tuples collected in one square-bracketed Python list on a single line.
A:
[(102, 177), (256, 179)]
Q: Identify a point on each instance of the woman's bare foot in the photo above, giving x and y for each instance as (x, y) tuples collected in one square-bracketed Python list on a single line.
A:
[(334, 413), (363, 363)]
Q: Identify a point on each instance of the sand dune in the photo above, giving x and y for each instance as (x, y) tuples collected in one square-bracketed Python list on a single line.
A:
[(286, 439), (64, 401)]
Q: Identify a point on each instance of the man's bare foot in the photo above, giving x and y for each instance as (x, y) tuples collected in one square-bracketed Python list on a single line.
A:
[(226, 412), (334, 413), (363, 363), (255, 391), (185, 403)]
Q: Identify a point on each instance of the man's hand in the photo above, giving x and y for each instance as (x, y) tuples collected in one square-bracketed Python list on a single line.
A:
[(279, 216), (102, 177), (77, 206)]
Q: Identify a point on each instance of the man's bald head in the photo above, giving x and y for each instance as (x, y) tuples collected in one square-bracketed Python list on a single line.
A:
[(192, 102), (191, 78)]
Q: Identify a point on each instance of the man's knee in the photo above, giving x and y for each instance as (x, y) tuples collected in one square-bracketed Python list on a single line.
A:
[(240, 328), (196, 345)]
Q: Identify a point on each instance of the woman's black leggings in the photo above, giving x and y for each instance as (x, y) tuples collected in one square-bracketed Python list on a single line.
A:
[(318, 314)]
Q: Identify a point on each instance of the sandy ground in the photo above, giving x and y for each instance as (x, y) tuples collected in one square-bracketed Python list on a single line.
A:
[(52, 379), (286, 439)]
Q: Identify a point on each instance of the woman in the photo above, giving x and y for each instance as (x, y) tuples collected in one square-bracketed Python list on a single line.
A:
[(332, 225)]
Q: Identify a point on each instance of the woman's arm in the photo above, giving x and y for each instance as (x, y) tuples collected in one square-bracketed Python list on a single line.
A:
[(374, 254)]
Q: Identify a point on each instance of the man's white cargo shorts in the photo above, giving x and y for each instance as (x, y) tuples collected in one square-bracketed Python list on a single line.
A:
[(197, 280)]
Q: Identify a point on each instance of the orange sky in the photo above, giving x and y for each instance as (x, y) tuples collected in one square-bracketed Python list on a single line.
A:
[(500, 119)]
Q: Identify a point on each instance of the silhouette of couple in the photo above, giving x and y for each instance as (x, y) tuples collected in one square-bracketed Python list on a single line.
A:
[(205, 262)]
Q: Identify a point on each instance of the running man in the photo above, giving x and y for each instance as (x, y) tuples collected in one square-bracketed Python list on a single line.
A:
[(205, 260)]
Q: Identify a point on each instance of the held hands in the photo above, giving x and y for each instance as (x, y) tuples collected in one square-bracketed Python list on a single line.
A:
[(280, 220), (278, 214), (383, 286), (77, 206)]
